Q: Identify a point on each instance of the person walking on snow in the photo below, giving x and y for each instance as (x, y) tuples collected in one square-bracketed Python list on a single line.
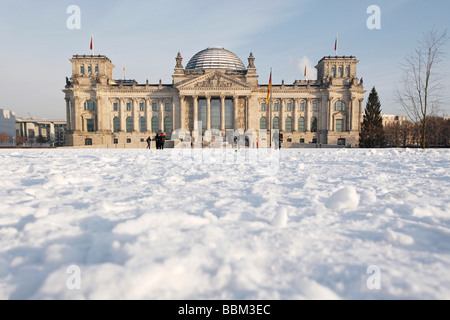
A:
[(149, 141)]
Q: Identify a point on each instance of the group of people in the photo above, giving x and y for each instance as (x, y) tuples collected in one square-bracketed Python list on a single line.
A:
[(160, 138)]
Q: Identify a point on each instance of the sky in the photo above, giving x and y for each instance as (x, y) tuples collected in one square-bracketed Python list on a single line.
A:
[(145, 36)]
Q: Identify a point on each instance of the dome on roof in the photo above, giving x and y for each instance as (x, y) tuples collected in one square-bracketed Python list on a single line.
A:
[(215, 58)]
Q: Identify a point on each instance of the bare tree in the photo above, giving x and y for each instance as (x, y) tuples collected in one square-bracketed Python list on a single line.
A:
[(421, 93)]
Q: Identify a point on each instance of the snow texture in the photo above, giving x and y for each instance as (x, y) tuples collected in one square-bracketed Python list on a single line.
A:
[(135, 224)]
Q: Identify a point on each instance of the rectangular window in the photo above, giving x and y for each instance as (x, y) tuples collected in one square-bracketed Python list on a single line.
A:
[(263, 106), (301, 107), (289, 107), (154, 106), (116, 141), (115, 106), (128, 106), (315, 106), (89, 69), (90, 125), (275, 106), (82, 69), (96, 69), (167, 106), (128, 140), (339, 125), (141, 106)]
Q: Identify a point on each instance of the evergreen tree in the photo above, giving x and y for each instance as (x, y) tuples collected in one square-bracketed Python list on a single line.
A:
[(372, 131)]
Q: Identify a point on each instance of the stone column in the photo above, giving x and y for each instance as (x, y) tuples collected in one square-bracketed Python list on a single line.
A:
[(161, 114), (222, 113), (195, 113), (148, 114), (122, 106), (208, 112), (68, 114), (77, 114), (135, 112), (235, 106), (294, 115), (182, 116), (330, 118), (174, 116), (307, 116)]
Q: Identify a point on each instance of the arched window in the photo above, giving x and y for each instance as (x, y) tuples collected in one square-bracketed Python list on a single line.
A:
[(314, 124), (340, 71), (288, 127), (155, 124), (347, 71), (129, 122), (276, 123), (301, 106), (128, 106), (263, 123), (88, 142), (263, 106), (168, 125), (90, 105), (339, 106), (141, 106), (333, 71), (301, 124), (315, 106), (116, 124), (276, 106), (289, 106), (142, 125)]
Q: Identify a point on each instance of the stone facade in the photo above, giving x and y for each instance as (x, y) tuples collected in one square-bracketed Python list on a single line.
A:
[(104, 111)]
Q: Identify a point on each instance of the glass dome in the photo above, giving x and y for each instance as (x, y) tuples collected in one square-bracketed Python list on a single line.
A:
[(215, 58)]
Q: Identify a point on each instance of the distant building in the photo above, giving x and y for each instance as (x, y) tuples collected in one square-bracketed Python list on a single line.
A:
[(31, 128), (391, 119), (8, 124)]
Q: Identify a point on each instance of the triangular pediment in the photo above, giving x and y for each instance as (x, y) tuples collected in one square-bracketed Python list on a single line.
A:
[(212, 81)]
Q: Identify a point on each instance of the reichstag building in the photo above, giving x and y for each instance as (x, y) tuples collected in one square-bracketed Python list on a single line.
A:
[(217, 89)]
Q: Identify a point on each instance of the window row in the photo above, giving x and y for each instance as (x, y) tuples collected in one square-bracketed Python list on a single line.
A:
[(340, 70), (288, 125), (128, 105), (338, 106), (129, 123), (89, 69)]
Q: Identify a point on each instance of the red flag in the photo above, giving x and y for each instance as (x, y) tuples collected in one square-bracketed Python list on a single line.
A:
[(92, 44), (336, 44), (270, 87), (305, 72)]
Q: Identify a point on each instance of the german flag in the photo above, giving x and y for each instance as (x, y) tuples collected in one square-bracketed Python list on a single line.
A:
[(270, 88)]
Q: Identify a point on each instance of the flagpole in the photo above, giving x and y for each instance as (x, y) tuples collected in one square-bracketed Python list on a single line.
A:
[(92, 43), (270, 110)]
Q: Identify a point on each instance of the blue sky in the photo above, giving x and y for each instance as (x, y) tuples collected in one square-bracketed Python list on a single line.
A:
[(145, 36)]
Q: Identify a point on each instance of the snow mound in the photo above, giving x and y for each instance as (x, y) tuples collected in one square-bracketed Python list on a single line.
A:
[(281, 218), (344, 199), (398, 238)]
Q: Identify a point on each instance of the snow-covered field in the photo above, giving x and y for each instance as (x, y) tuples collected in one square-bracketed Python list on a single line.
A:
[(148, 224)]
